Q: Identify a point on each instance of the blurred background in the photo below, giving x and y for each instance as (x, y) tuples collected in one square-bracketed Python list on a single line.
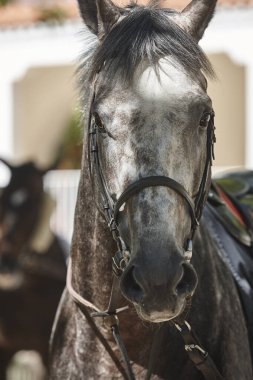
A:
[(40, 42)]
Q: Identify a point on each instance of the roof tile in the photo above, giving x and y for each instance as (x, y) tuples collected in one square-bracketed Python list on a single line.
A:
[(28, 12)]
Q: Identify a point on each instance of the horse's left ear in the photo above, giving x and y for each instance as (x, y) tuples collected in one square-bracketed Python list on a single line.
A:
[(196, 17), (6, 163), (99, 15)]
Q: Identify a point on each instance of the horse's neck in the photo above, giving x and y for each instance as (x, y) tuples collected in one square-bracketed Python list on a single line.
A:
[(92, 247), (92, 251)]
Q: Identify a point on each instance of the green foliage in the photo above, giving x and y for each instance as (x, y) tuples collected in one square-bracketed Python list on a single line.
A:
[(4, 2), (70, 153), (53, 14), (74, 132)]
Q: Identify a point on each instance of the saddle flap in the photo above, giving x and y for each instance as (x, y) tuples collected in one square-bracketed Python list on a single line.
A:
[(231, 198)]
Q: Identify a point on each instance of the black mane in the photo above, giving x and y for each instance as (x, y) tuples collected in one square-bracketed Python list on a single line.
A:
[(147, 34)]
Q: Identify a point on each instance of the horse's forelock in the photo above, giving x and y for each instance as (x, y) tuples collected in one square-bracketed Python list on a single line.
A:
[(145, 34)]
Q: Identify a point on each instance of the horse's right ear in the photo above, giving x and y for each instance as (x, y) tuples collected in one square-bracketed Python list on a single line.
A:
[(99, 15)]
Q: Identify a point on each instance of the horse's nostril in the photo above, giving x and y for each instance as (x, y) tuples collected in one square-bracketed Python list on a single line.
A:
[(130, 286), (187, 282)]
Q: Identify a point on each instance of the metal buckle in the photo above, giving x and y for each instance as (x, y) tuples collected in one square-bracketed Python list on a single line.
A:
[(179, 328), (106, 314), (112, 318), (119, 262), (188, 251), (112, 225), (191, 347), (116, 269)]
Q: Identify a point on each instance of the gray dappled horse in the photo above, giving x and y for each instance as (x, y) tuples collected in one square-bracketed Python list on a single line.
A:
[(32, 265), (148, 147)]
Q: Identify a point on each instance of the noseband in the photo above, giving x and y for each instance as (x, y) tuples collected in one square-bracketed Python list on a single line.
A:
[(111, 209)]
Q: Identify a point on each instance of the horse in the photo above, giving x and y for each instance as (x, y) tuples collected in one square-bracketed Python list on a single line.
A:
[(32, 265), (170, 305)]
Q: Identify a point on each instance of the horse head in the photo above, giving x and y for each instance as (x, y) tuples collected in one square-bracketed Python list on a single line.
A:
[(152, 118), (20, 207)]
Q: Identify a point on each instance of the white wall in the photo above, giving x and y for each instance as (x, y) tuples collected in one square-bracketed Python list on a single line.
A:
[(231, 32), (44, 100), (228, 96), (26, 49)]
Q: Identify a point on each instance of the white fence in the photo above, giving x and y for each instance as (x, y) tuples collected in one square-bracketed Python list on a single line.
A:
[(63, 186)]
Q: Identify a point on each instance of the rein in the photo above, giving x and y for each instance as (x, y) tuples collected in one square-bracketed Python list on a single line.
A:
[(111, 209)]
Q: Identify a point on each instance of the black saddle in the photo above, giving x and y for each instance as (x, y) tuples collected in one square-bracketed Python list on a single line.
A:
[(229, 217)]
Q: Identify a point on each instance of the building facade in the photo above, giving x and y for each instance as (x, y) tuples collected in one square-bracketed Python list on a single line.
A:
[(38, 89)]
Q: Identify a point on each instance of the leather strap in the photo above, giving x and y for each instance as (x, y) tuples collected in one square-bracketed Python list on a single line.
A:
[(103, 341), (153, 181), (96, 312), (123, 351), (111, 313), (201, 359)]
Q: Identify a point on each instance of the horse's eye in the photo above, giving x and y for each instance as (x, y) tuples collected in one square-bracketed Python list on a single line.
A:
[(99, 124), (205, 120)]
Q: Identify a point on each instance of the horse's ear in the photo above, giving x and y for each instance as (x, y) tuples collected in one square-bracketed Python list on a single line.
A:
[(6, 163), (196, 17), (99, 15), (52, 166), (108, 15)]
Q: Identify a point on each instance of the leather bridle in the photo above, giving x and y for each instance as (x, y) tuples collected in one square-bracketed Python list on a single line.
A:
[(110, 210)]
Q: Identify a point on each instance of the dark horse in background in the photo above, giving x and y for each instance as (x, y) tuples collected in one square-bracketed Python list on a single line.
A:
[(146, 173), (32, 265)]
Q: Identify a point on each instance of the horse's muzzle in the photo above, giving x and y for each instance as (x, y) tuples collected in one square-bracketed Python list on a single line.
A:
[(159, 293)]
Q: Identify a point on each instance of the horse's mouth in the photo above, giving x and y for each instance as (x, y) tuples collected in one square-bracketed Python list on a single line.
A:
[(10, 281), (165, 315)]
